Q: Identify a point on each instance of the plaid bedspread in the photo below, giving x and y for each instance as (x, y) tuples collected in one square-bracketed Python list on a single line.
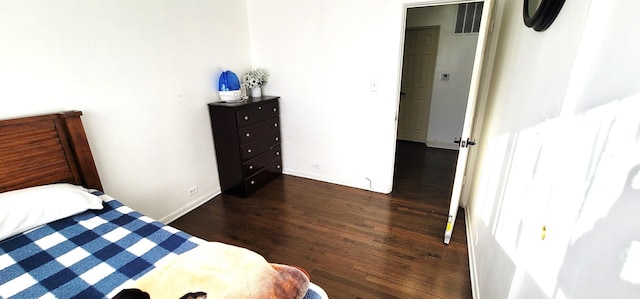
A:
[(90, 255)]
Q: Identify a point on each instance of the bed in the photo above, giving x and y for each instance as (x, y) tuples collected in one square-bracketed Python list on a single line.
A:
[(62, 237)]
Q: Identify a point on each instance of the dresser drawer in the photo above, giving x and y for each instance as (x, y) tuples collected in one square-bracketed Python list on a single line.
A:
[(259, 130), (256, 114), (253, 149), (260, 178), (252, 166)]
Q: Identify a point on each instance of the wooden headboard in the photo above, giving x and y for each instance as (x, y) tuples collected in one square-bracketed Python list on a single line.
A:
[(46, 149)]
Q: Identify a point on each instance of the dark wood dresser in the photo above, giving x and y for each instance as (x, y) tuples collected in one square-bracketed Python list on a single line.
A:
[(247, 140)]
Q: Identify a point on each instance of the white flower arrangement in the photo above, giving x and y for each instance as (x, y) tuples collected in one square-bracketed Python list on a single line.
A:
[(256, 78)]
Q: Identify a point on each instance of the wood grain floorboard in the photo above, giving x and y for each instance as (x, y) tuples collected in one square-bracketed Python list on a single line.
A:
[(354, 243)]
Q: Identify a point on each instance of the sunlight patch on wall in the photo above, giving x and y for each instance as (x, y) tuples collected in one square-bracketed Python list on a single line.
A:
[(490, 177), (631, 268), (561, 182), (518, 205), (635, 182), (567, 175), (619, 156)]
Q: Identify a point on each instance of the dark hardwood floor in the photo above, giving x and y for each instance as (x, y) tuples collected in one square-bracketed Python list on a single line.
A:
[(354, 243)]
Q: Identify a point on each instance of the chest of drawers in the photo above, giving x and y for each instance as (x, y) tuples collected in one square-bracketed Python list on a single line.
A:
[(246, 136)]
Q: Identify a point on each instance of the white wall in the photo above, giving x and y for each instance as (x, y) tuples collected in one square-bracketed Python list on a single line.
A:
[(559, 148), (456, 53), (322, 56), (142, 73)]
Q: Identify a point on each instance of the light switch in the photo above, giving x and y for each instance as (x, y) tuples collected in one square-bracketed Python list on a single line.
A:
[(445, 77)]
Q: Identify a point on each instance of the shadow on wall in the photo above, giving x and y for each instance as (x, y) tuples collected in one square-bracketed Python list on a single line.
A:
[(579, 178), (611, 250)]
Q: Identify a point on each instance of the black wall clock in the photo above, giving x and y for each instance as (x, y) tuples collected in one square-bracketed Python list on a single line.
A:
[(539, 14)]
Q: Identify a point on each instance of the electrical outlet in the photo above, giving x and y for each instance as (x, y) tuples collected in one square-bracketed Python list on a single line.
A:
[(193, 190), (315, 166)]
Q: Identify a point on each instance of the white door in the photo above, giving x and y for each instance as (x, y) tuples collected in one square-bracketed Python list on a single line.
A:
[(467, 128), (418, 68)]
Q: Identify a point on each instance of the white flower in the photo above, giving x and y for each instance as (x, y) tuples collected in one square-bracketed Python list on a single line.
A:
[(256, 78)]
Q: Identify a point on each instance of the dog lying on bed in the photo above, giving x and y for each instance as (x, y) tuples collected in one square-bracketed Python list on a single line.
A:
[(218, 270)]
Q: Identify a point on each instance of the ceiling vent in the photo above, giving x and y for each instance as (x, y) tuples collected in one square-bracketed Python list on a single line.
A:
[(468, 19)]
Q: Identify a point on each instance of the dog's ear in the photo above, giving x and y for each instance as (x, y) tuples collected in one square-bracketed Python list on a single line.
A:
[(194, 295), (132, 294)]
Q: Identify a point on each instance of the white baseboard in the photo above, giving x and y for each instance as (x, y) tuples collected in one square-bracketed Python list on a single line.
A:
[(443, 145), (471, 241), (190, 206), (314, 176)]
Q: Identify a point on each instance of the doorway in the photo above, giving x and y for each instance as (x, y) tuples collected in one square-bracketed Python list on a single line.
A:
[(437, 118), (455, 121)]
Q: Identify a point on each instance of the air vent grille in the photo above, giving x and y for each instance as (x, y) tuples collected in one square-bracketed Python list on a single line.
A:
[(469, 16)]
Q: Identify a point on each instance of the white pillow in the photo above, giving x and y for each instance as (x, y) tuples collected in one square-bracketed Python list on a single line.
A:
[(24, 209)]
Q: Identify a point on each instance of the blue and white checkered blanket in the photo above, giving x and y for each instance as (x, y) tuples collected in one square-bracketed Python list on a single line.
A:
[(90, 255)]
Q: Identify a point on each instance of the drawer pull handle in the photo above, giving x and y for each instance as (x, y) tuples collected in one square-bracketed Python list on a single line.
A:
[(275, 109), (253, 182), (259, 107), (246, 117), (250, 167), (277, 153), (248, 135), (277, 138), (278, 166), (275, 125), (249, 151)]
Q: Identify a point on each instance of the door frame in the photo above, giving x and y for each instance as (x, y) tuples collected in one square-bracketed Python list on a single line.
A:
[(478, 95)]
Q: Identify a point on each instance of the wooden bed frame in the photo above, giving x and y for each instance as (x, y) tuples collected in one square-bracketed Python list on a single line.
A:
[(46, 149)]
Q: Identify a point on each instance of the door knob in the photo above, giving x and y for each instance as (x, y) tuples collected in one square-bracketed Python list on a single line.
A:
[(464, 143)]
